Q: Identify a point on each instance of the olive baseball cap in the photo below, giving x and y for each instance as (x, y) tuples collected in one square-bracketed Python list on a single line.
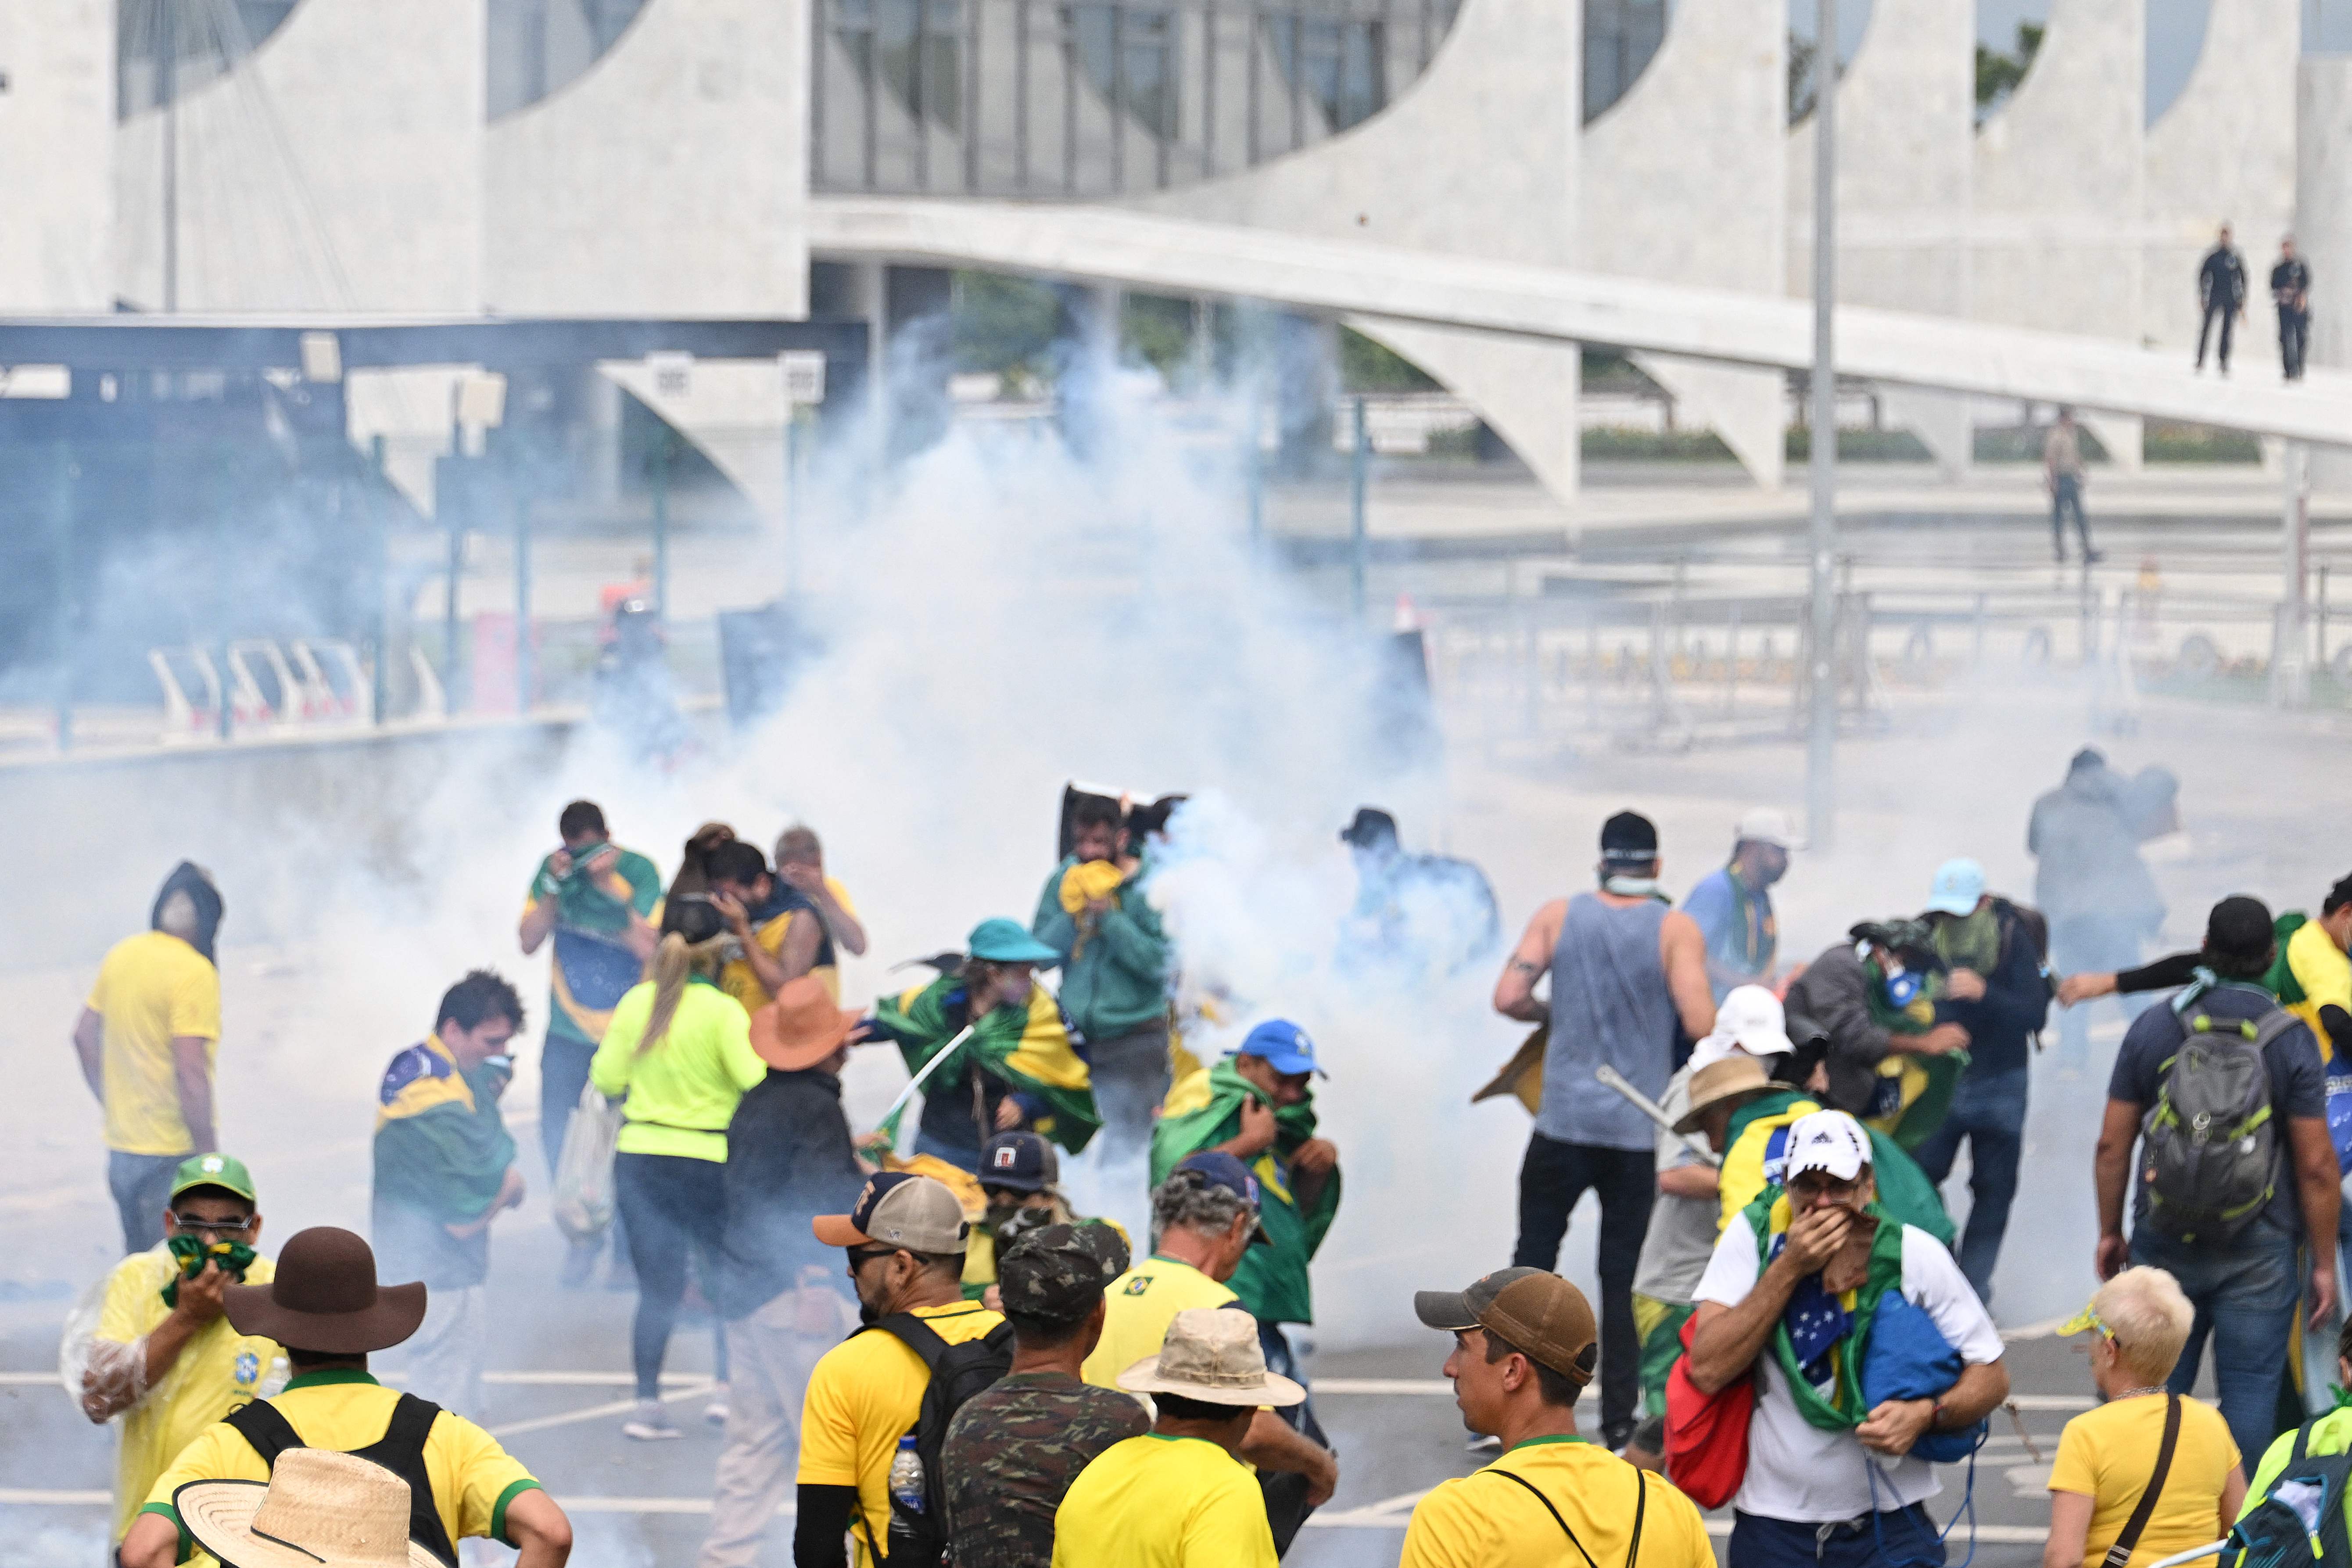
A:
[(1537, 1312), (1057, 1271), (900, 1210), (214, 1170)]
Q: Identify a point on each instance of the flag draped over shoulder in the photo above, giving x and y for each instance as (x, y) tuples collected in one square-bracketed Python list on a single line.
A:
[(1202, 1110), (441, 1146), (1913, 1093), (1031, 1049), (1756, 1147), (1819, 1339)]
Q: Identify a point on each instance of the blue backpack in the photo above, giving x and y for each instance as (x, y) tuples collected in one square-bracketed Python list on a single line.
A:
[(2300, 1521)]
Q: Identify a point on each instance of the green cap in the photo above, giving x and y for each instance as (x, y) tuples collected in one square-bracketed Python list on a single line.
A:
[(214, 1170)]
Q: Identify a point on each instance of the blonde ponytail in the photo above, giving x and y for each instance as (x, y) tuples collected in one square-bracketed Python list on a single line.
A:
[(673, 965)]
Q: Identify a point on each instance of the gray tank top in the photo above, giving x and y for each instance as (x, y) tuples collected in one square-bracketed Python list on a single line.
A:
[(1609, 1003)]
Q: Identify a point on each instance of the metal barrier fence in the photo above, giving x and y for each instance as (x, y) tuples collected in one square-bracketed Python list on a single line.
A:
[(1672, 670)]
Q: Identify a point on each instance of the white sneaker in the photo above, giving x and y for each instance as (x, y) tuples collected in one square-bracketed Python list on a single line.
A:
[(715, 1411), (649, 1423)]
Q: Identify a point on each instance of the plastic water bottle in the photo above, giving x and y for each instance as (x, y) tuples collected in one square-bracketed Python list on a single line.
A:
[(906, 1491)]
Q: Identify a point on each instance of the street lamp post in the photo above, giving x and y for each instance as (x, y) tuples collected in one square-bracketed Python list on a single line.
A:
[(1820, 727)]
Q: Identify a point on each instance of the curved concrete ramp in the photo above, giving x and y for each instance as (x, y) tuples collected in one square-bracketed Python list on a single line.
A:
[(1351, 277)]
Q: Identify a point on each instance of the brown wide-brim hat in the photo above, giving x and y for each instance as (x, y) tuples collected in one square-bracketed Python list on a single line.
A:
[(1731, 1081), (324, 1298), (319, 1508), (801, 1027)]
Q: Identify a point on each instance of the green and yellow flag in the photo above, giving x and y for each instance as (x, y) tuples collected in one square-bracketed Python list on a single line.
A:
[(1029, 1048), (1203, 1108)]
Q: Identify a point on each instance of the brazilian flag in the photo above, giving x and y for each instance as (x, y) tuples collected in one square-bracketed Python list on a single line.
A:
[(1030, 1049), (1204, 1108), (1914, 1094)]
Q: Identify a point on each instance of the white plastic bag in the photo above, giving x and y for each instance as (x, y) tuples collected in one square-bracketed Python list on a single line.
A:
[(584, 1172)]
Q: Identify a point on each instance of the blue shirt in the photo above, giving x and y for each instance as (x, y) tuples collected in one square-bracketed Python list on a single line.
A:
[(1742, 936)]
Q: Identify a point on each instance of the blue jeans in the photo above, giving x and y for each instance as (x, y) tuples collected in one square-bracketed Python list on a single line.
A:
[(1989, 1110), (1908, 1536), (141, 1185), (2092, 945), (2246, 1295)]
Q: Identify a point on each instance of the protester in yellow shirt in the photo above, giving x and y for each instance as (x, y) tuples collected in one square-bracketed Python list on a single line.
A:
[(161, 1356), (800, 861), (1524, 1349), (778, 932), (906, 1238), (2106, 1461), (325, 1306), (1179, 1496), (147, 1039), (1206, 1216)]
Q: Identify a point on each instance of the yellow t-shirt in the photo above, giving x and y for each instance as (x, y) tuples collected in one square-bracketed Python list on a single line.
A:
[(473, 1478), (2108, 1454), (1163, 1502), (862, 1397), (1475, 1523), (741, 981), (219, 1369), (683, 1092), (1142, 1302), (151, 988), (2324, 972)]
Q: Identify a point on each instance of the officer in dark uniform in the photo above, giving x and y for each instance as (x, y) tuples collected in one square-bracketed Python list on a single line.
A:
[(2221, 291), (2290, 291)]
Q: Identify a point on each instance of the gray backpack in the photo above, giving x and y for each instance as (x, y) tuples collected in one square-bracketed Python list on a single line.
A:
[(2209, 1148)]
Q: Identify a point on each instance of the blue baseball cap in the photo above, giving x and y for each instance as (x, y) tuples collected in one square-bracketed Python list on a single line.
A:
[(1001, 941), (1021, 1161), (1960, 883), (1222, 1170), (1283, 1047)]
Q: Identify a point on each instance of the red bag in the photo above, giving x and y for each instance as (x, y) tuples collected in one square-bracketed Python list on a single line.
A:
[(1706, 1434)]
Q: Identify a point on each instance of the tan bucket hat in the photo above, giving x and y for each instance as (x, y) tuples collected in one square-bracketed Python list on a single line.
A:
[(319, 1508), (1736, 1079), (1212, 1354)]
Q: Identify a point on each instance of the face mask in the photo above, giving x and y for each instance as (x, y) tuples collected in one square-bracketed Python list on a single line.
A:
[(1903, 987), (234, 1257)]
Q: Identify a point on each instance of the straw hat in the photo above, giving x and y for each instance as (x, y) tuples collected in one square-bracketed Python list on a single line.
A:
[(801, 1027), (1736, 1079), (1212, 1355), (319, 1508)]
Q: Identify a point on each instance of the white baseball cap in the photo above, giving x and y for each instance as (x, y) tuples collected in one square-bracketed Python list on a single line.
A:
[(1765, 825), (1749, 1018), (1830, 1142)]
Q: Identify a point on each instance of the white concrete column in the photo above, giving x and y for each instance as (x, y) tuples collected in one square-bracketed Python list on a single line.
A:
[(2323, 229), (670, 180), (1425, 173), (1684, 182), (2060, 182), (338, 167), (57, 156), (1906, 130)]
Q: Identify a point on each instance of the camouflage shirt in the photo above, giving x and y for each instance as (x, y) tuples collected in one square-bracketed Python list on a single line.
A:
[(1012, 1451)]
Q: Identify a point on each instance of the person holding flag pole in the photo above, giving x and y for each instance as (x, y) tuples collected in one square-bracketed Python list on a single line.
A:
[(991, 1050)]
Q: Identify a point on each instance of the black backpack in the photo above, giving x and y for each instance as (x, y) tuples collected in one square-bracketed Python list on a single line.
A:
[(2300, 1521), (958, 1371)]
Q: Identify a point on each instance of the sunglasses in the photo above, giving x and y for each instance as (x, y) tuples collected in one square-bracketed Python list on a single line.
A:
[(215, 1227), (859, 1257)]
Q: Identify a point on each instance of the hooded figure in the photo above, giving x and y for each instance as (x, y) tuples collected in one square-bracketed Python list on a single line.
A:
[(2087, 834), (198, 921)]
